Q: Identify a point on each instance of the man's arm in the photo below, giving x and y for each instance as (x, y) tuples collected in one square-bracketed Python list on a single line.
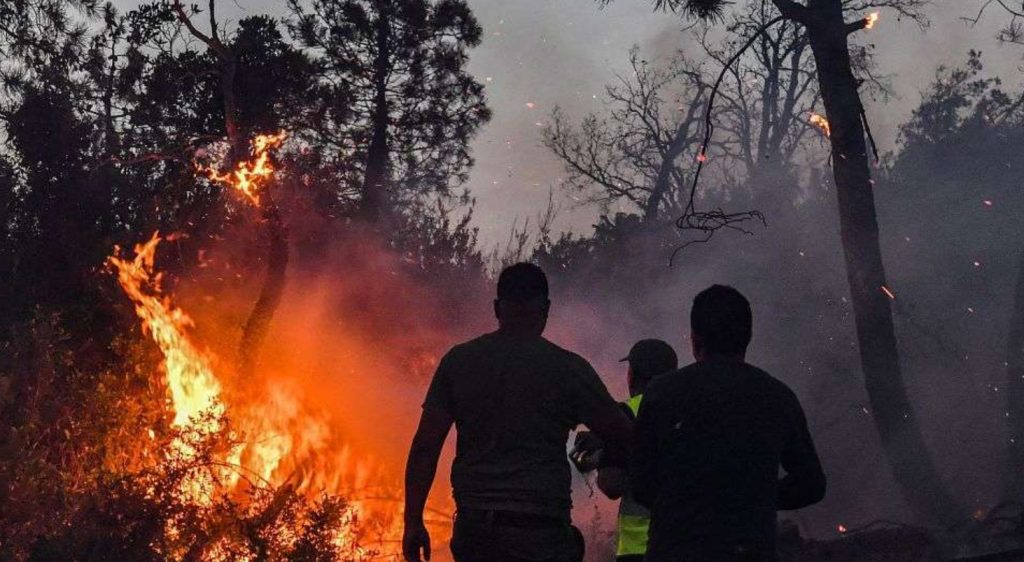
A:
[(804, 483), (603, 415), (435, 423), (643, 470)]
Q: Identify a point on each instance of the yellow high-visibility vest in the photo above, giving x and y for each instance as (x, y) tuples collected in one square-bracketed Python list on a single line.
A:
[(634, 519)]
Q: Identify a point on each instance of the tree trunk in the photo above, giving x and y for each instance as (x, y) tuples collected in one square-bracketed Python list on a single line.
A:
[(255, 329), (376, 181), (664, 180), (901, 437), (1014, 478)]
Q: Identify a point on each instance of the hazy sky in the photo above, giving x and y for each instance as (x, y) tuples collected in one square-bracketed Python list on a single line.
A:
[(540, 53)]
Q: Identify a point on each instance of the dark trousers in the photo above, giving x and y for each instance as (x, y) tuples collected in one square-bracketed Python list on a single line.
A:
[(630, 558), (497, 536)]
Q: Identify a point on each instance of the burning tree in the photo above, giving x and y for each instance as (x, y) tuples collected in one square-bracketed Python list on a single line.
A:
[(116, 126), (828, 34)]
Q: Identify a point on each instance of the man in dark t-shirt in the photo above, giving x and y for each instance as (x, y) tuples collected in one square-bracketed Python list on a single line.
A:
[(513, 397), (710, 439)]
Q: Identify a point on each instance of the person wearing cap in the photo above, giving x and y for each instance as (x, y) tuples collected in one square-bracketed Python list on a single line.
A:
[(647, 359), (513, 398), (709, 443)]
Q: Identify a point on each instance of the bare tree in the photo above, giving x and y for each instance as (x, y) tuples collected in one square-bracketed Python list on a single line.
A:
[(828, 34), (770, 92), (638, 152), (1013, 29)]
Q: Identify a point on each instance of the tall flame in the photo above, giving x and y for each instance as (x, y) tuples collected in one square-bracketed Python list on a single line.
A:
[(280, 438), (194, 388), (821, 123), (249, 176)]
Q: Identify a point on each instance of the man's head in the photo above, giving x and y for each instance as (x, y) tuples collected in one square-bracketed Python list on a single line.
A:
[(522, 304), (720, 323), (647, 359)]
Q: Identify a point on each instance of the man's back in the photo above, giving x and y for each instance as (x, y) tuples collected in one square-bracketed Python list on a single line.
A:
[(710, 440), (514, 401)]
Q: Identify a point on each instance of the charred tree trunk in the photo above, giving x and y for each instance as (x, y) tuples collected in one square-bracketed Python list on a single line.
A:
[(255, 329), (900, 434), (376, 180), (1014, 478)]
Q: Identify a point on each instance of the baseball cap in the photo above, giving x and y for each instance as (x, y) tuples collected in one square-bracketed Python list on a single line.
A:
[(651, 357)]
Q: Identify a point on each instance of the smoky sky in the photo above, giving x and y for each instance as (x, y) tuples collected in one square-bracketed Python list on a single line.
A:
[(538, 54)]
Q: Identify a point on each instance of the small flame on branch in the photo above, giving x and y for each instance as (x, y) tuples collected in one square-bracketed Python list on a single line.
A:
[(821, 123), (249, 176), (871, 20)]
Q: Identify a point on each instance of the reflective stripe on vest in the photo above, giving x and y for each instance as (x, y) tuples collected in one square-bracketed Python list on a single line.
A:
[(634, 519)]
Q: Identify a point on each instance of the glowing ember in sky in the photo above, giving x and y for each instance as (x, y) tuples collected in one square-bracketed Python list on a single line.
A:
[(821, 123), (987, 203), (888, 292), (841, 528), (871, 20)]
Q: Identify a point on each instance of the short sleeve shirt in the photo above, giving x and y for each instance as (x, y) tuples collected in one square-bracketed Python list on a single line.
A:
[(514, 401)]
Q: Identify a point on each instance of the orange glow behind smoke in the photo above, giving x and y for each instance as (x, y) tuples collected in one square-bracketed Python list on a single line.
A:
[(249, 176), (821, 123), (284, 426)]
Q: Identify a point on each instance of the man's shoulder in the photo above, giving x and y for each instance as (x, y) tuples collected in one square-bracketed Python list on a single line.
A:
[(697, 373), (492, 341), (769, 381), (558, 351)]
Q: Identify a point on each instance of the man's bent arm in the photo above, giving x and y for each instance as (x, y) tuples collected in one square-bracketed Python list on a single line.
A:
[(804, 483), (435, 423)]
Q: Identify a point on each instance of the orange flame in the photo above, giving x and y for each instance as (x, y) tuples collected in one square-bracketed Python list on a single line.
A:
[(193, 387), (821, 123), (871, 20), (249, 176)]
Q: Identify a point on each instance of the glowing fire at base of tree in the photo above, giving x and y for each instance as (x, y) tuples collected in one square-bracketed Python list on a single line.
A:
[(269, 441)]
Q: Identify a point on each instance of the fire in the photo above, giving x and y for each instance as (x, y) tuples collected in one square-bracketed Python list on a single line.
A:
[(821, 123), (279, 436), (190, 380), (249, 176), (841, 528), (871, 20)]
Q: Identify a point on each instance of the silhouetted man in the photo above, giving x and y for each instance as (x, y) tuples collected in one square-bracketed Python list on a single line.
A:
[(513, 397), (710, 439)]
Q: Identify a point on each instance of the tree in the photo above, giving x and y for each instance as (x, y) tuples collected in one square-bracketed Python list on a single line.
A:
[(397, 97), (828, 35), (964, 135), (769, 95), (637, 153)]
